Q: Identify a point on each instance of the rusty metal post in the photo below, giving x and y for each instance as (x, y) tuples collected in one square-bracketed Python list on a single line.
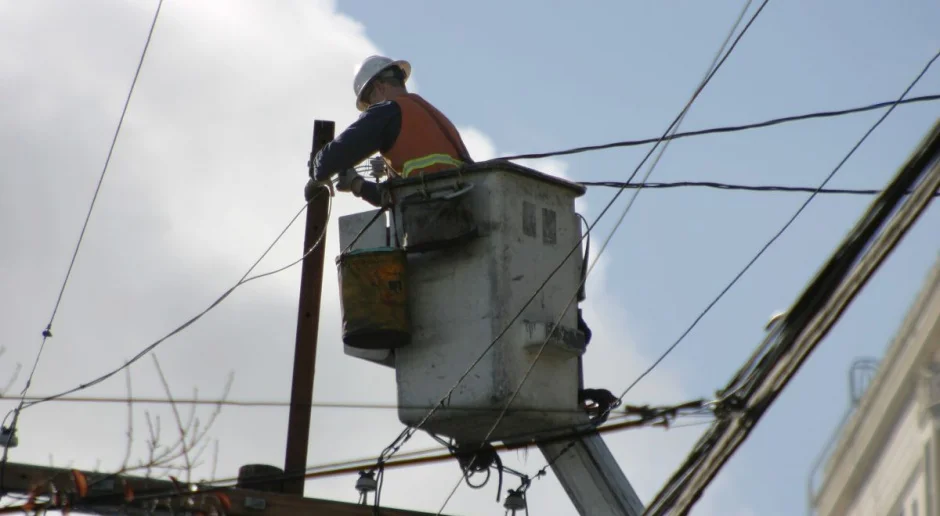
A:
[(308, 324)]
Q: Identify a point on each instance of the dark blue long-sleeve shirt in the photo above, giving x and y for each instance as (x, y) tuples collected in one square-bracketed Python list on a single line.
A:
[(375, 131)]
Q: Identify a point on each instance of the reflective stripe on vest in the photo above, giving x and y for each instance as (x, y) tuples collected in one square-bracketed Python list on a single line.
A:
[(430, 160), (426, 142)]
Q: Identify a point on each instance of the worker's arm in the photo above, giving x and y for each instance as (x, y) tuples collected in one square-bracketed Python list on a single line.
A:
[(375, 131), (369, 192), (351, 181)]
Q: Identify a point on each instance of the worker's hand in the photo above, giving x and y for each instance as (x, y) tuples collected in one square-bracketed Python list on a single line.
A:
[(313, 186), (347, 179)]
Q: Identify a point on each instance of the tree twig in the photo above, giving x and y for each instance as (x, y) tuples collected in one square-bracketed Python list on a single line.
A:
[(184, 448), (130, 421)]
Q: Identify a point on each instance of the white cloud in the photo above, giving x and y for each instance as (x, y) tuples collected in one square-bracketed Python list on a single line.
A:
[(479, 145), (209, 167)]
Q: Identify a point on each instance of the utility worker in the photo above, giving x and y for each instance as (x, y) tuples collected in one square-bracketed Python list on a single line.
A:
[(411, 135)]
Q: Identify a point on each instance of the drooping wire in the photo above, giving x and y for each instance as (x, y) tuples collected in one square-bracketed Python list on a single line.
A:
[(47, 332), (720, 57), (365, 228), (571, 444), (715, 130), (728, 129), (735, 187), (780, 232), (711, 438), (273, 403), (104, 170), (244, 279), (642, 416), (812, 315), (649, 415)]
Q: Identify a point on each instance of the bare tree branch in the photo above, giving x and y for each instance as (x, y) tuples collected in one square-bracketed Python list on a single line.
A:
[(13, 377), (215, 456), (178, 459), (176, 415), (130, 421)]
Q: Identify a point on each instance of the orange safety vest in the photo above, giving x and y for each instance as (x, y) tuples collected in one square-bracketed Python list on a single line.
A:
[(428, 142)]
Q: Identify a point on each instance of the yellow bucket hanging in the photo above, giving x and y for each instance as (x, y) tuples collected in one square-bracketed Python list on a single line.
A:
[(373, 290)]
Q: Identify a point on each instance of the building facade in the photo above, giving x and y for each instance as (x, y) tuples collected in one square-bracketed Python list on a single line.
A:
[(885, 458)]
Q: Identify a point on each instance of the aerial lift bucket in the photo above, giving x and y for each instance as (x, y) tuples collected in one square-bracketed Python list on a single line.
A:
[(374, 298)]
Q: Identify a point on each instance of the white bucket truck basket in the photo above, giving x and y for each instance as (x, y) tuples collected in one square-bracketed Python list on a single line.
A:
[(479, 243)]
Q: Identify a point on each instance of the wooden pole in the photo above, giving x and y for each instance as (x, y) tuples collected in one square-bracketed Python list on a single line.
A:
[(308, 324)]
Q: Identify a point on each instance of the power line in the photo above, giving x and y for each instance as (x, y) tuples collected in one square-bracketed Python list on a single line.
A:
[(47, 332), (637, 417), (244, 279), (780, 232), (728, 129), (810, 318), (654, 416), (104, 170), (689, 409), (734, 187), (117, 400)]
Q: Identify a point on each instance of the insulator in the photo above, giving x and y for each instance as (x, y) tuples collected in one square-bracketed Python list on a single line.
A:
[(514, 501), (378, 167), (8, 438), (366, 482)]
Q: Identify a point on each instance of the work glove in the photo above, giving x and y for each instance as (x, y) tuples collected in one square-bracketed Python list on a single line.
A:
[(347, 179), (314, 185)]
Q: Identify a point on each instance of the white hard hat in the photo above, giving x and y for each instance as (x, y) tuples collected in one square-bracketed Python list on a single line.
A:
[(371, 67)]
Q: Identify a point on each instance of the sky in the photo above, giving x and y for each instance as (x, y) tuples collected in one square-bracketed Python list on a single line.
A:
[(211, 162)]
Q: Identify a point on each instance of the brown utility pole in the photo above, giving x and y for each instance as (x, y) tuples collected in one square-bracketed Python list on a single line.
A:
[(308, 324)]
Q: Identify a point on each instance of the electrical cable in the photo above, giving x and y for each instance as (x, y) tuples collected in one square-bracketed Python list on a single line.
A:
[(649, 414), (47, 332), (365, 228), (544, 469), (780, 232), (811, 317), (420, 457), (244, 279), (715, 130), (272, 404), (735, 187), (449, 496), (646, 416), (727, 129)]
